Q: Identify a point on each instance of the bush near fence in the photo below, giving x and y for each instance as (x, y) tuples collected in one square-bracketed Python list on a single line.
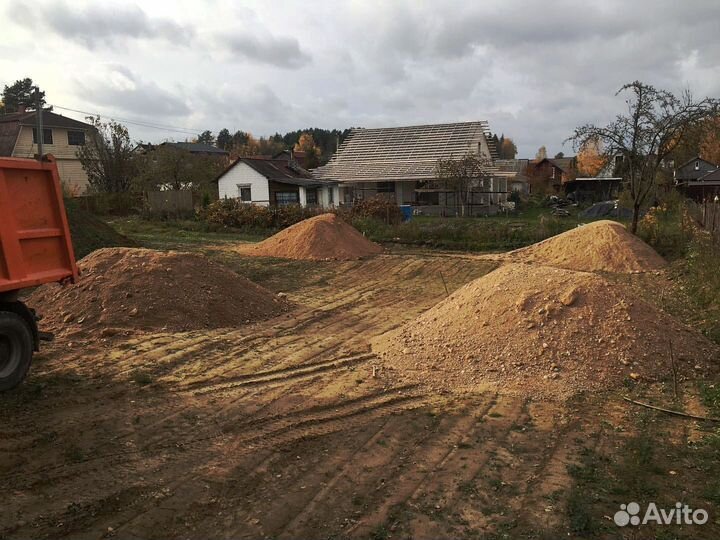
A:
[(251, 217), (377, 208)]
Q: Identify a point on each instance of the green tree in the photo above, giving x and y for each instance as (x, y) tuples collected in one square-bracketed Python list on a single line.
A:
[(240, 138), (108, 157), (655, 123), (206, 137), (224, 139), (21, 92)]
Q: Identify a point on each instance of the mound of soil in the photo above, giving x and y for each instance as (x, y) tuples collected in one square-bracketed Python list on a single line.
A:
[(321, 237), (132, 288), (89, 232), (543, 331), (601, 246)]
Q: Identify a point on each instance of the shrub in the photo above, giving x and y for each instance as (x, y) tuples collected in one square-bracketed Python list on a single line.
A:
[(378, 208), (666, 229), (251, 217)]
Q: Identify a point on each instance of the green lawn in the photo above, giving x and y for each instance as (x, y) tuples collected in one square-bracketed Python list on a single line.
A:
[(180, 234)]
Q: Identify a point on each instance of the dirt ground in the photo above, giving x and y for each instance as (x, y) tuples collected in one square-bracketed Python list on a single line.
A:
[(288, 429)]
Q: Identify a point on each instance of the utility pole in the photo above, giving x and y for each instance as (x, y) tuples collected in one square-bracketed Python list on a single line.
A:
[(39, 123)]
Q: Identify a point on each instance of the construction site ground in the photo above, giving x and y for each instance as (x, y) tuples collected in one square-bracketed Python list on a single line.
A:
[(289, 429)]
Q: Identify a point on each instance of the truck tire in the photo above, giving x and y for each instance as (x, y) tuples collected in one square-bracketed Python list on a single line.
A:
[(16, 348)]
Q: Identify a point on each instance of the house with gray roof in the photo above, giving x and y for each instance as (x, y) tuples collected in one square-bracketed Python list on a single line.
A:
[(274, 182), (698, 178), (399, 163), (62, 136)]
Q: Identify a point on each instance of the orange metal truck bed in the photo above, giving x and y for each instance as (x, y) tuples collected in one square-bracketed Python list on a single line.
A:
[(35, 244)]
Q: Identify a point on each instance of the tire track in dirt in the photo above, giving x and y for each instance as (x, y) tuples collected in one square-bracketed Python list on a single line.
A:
[(282, 430), (412, 489), (278, 376), (175, 453)]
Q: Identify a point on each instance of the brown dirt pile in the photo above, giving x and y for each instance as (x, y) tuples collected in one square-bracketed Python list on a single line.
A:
[(131, 288), (318, 238), (542, 331), (604, 246)]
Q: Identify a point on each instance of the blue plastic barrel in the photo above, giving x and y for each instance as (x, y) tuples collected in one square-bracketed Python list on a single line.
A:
[(407, 211)]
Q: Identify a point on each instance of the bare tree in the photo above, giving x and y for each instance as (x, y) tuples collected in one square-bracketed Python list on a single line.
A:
[(107, 157), (463, 175), (655, 123)]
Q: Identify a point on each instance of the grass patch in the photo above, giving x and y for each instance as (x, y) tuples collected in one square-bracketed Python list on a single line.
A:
[(180, 234), (470, 234), (89, 232), (710, 395)]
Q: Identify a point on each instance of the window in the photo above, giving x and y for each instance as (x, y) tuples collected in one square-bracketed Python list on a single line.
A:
[(429, 198), (47, 136), (284, 198), (311, 196), (697, 165), (331, 192), (386, 187), (76, 138), (245, 193)]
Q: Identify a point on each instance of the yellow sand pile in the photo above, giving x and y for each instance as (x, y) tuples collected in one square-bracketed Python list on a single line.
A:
[(318, 238), (604, 246), (542, 331)]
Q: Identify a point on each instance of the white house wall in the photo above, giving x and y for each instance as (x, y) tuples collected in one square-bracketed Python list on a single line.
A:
[(243, 174)]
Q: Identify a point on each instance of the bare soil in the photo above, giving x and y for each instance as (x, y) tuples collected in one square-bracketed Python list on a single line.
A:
[(124, 289), (324, 237), (601, 246), (290, 428)]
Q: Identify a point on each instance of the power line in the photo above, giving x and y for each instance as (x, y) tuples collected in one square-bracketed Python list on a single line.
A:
[(185, 131)]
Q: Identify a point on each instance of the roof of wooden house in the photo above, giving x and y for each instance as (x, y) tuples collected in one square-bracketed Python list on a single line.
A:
[(403, 153)]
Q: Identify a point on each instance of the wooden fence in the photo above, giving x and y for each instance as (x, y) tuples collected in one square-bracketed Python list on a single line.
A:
[(170, 203), (156, 204), (707, 214)]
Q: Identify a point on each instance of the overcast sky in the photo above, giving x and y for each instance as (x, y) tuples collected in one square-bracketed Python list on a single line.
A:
[(534, 70)]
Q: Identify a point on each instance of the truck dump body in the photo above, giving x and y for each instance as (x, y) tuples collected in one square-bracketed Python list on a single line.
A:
[(35, 244)]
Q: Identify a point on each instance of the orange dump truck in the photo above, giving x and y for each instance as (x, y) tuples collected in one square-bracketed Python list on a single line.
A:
[(35, 248)]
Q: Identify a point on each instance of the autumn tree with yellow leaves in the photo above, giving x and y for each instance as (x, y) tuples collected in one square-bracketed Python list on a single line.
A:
[(590, 158)]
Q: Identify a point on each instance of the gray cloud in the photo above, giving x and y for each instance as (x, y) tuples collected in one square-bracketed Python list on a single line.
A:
[(534, 69), (97, 24), (122, 90), (283, 52)]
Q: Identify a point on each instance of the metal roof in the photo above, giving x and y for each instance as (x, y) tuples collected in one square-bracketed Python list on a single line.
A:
[(402, 153)]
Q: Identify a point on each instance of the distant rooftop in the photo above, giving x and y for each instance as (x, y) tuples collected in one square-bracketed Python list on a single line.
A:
[(196, 148)]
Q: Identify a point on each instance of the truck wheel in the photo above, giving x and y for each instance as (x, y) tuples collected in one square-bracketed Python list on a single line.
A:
[(16, 347)]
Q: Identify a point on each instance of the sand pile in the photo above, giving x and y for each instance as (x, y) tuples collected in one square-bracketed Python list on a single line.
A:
[(318, 238), (145, 289), (542, 331), (604, 246)]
